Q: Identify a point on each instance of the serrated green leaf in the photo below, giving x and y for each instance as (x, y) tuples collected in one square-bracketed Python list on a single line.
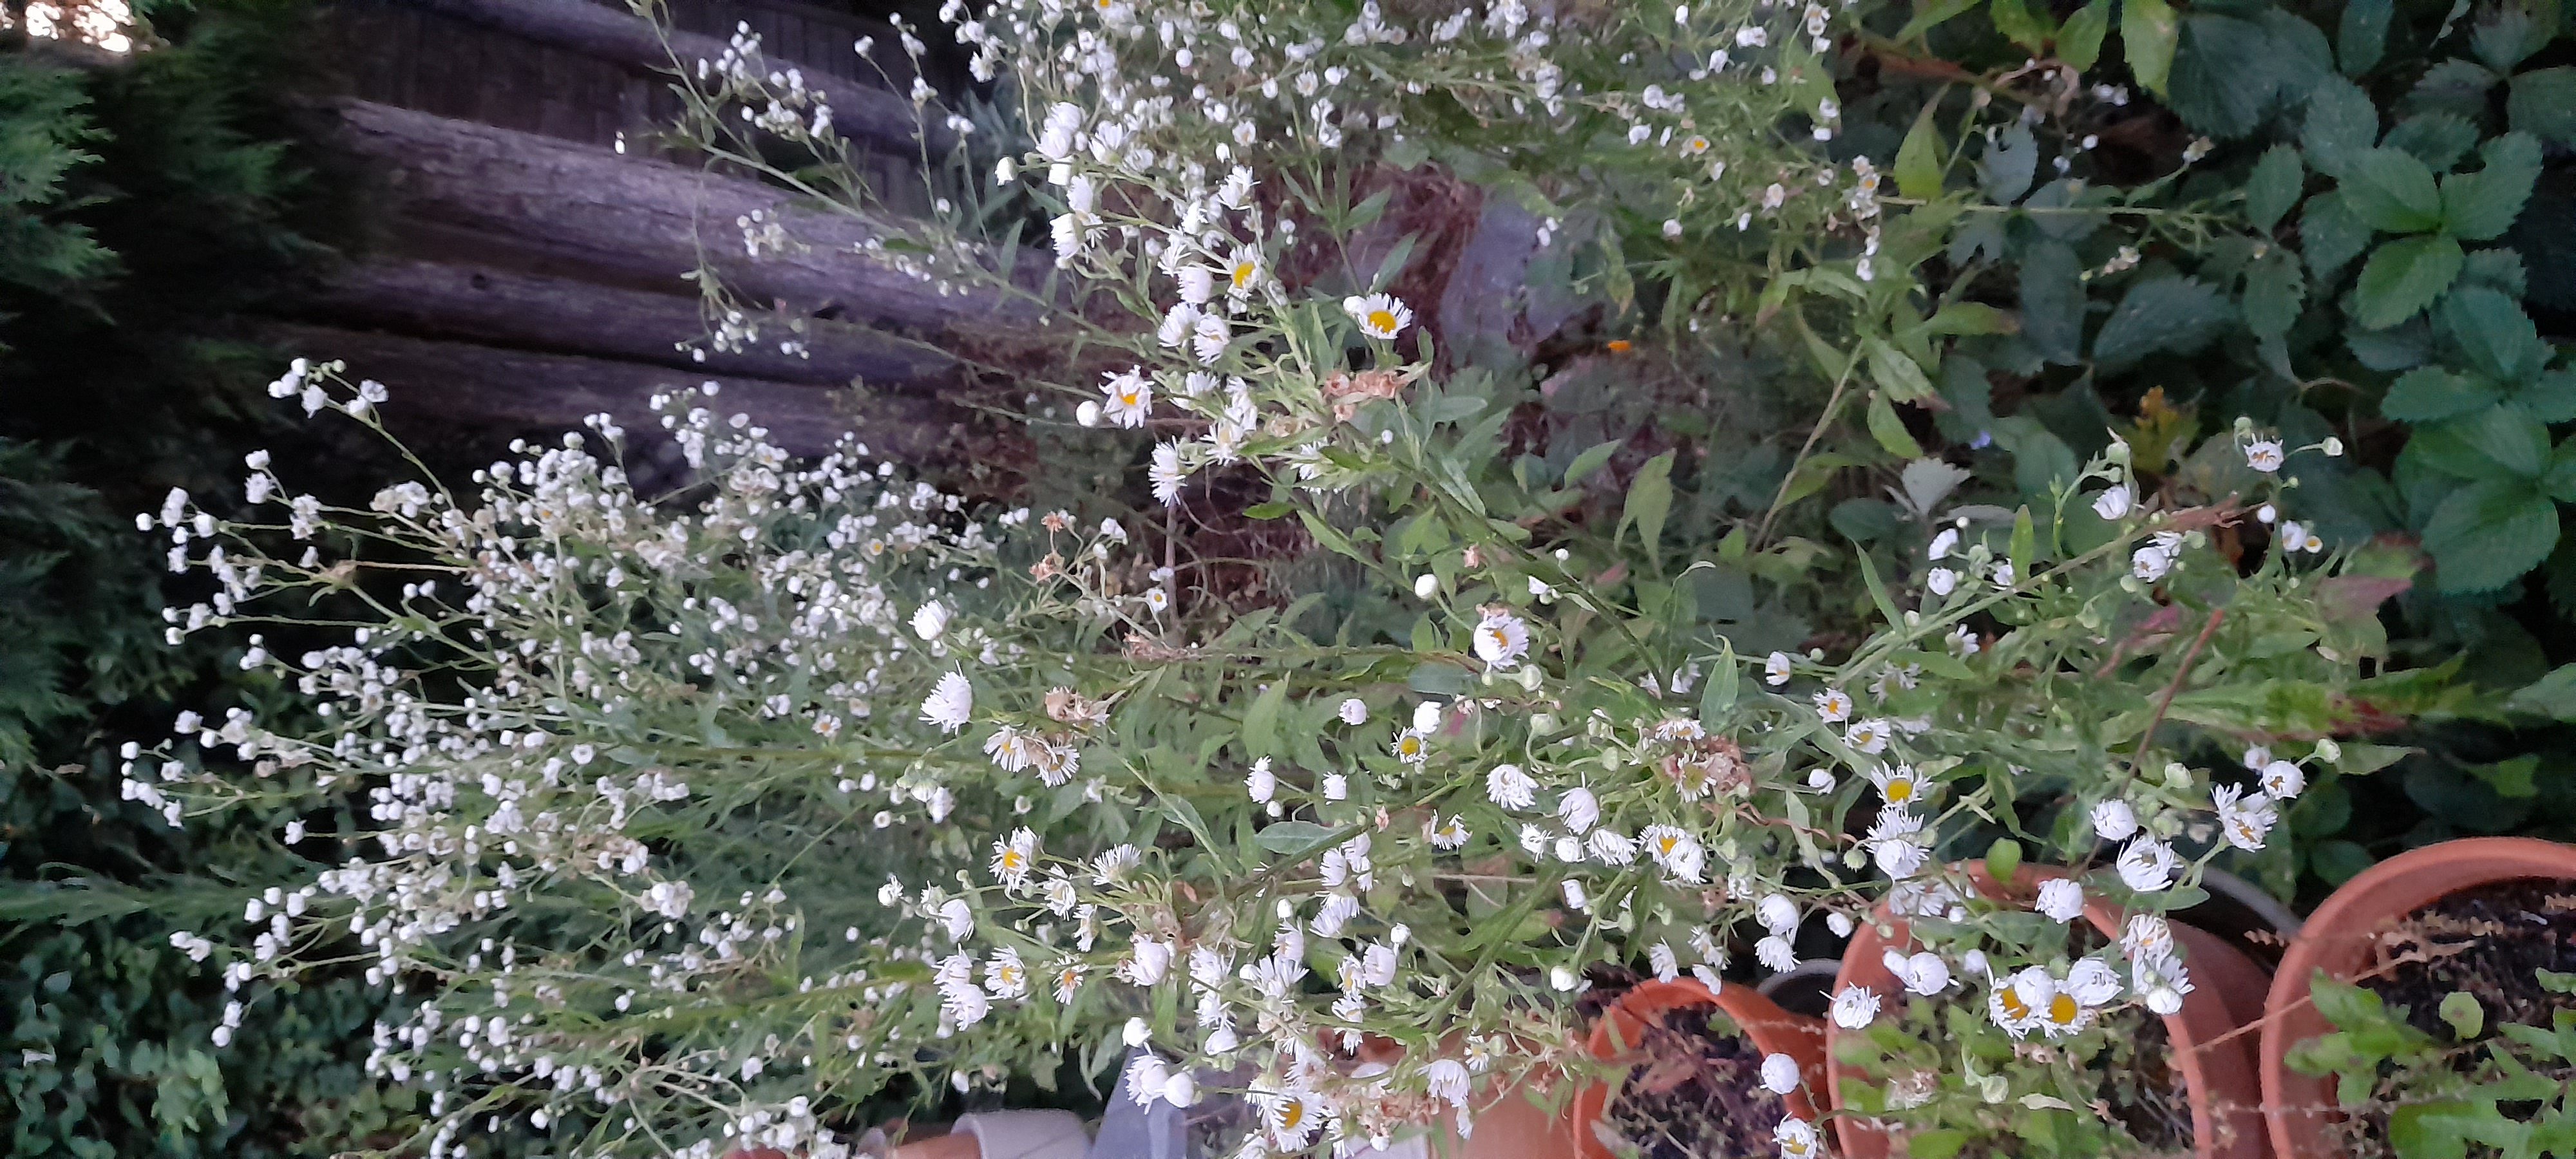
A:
[(2362, 35), (2392, 191), (2274, 288), (2499, 339), (2488, 532), (2330, 236), (2551, 397), (2430, 393), (2455, 86), (1928, 17), (2273, 187), (2480, 206), (2010, 161), (2509, 437), (1918, 160), (2052, 302), (2079, 43), (1890, 430), (2437, 139), (2170, 313), (2543, 103), (2015, 20), (2148, 30), (2226, 74), (2404, 276), (2503, 37), (2341, 124)]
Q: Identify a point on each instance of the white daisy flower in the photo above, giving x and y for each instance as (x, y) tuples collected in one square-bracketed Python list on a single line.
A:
[(2150, 563), (1941, 580), (1209, 338), (1775, 954), (1410, 747), (1896, 785), (1015, 856), (1779, 1074), (1922, 972), (1943, 544), (950, 704), (930, 620), (2060, 899), (2283, 780), (1795, 1137), (1130, 398), (1855, 1007), (2245, 820), (2264, 455), (1578, 809), (1380, 316), (1897, 842), (1660, 959), (2112, 504), (1833, 706), (1354, 711), (1510, 788), (1450, 834), (1261, 783), (1867, 736), (1446, 1080), (1777, 914), (1775, 671), (1501, 640), (1167, 474), (2113, 820), (2148, 865), (1676, 851)]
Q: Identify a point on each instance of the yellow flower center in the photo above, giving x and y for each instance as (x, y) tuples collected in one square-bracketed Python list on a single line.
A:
[(2062, 1009), (1242, 274), (1900, 789), (1127, 398), (2014, 1007), (1291, 1113), (1668, 842), (1409, 745), (1011, 859), (1382, 320)]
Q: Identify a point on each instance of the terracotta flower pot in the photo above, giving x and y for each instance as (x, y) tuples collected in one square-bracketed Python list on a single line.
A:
[(2338, 939), (1771, 1030), (2217, 1064)]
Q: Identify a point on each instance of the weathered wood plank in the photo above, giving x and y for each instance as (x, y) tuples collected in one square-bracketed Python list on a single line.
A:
[(555, 315)]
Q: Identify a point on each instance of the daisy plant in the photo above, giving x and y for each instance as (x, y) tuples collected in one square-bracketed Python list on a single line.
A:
[(694, 821)]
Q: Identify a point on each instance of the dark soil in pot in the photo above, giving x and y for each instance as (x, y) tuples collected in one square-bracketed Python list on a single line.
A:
[(1698, 1095), (2146, 1092), (2489, 941)]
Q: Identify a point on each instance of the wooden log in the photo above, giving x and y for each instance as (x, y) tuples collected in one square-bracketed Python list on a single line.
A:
[(518, 391), (860, 110), (559, 316), (454, 187)]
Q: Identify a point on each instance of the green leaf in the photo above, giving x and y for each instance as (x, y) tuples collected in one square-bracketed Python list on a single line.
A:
[(1889, 430), (1291, 838), (2079, 43), (2509, 779), (2553, 695), (2362, 35), (2226, 74), (2348, 1006), (2273, 187), (1261, 721), (2429, 393), (2543, 103), (2018, 549), (2052, 302), (1965, 318), (1918, 160), (2393, 191), (2014, 19), (1896, 373), (1592, 460), (2177, 314), (2010, 161), (2462, 1012), (2339, 861), (2274, 288), (2456, 86), (2551, 397), (1931, 16), (1937, 1143), (2341, 124), (2430, 1130), (2404, 276), (1650, 499), (2486, 533), (2498, 337), (2480, 206), (2329, 235), (2436, 139), (2500, 442), (2504, 37), (2148, 30)]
